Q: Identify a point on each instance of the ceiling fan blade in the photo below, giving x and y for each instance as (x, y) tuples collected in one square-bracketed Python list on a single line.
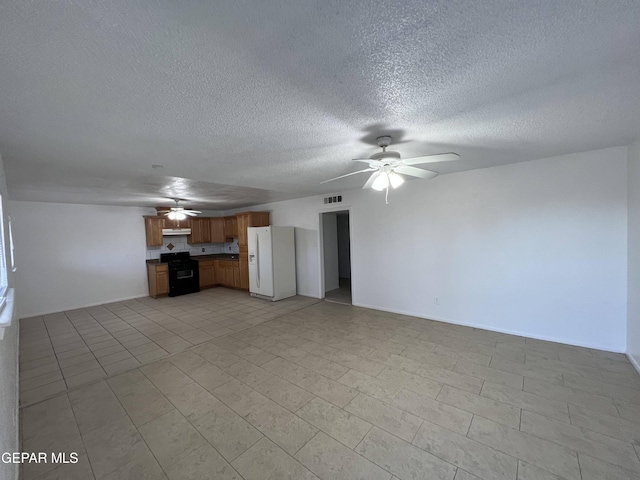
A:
[(440, 157), (372, 179), (191, 213), (371, 162), (415, 172), (349, 174)]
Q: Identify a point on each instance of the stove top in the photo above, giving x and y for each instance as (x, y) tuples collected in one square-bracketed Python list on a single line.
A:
[(176, 258)]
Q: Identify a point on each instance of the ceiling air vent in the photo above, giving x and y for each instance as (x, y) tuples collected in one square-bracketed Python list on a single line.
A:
[(334, 199)]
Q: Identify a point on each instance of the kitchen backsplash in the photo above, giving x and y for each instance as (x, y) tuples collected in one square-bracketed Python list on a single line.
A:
[(180, 245)]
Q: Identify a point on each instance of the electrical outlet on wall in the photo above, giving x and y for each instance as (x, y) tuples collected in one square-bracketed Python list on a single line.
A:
[(229, 248), (436, 300), (203, 249)]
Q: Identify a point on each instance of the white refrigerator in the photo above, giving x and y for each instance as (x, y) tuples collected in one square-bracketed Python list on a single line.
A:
[(272, 262)]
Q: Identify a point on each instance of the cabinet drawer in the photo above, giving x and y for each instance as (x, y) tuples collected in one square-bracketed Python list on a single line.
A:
[(227, 263)]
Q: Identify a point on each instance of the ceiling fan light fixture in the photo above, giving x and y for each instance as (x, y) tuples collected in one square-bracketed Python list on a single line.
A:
[(180, 216), (381, 182), (395, 180), (172, 215)]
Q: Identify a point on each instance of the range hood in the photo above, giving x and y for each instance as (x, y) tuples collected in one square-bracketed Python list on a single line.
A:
[(172, 232)]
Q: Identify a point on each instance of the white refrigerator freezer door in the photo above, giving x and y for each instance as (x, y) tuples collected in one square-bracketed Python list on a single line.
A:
[(260, 261)]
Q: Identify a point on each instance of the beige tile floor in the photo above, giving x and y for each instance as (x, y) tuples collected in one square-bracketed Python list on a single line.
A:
[(68, 349), (341, 294), (306, 389)]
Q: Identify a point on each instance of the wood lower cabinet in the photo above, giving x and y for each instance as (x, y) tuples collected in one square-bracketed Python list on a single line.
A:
[(158, 275), (227, 273), (153, 230), (236, 276), (218, 234), (207, 273), (243, 263)]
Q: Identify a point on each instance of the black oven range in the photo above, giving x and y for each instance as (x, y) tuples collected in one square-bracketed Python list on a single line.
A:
[(184, 276)]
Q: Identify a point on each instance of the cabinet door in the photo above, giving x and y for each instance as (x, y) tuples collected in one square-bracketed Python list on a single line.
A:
[(243, 263), (168, 223), (243, 224), (260, 219), (218, 230), (153, 230), (218, 273), (230, 227), (196, 232), (162, 282), (206, 276), (236, 277), (229, 274), (206, 229)]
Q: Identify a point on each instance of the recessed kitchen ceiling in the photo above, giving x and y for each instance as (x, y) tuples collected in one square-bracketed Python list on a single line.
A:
[(252, 101)]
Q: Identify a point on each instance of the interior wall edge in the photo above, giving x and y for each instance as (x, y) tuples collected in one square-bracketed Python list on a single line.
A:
[(78, 307), (607, 348)]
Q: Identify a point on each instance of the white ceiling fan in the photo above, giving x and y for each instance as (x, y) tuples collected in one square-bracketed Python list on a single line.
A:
[(387, 167), (178, 212)]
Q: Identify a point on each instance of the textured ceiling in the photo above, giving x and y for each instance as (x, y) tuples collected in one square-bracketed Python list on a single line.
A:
[(251, 101)]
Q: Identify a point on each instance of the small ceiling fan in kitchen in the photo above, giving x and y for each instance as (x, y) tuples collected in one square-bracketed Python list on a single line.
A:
[(178, 212), (387, 167)]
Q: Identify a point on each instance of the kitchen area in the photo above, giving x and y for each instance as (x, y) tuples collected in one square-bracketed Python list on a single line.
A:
[(196, 253)]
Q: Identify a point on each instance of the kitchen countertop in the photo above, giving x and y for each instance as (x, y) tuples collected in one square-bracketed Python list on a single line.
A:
[(213, 256), (217, 256)]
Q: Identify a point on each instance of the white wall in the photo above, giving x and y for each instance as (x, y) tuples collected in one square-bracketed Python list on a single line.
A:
[(70, 256), (330, 251), (535, 248), (633, 258), (8, 364)]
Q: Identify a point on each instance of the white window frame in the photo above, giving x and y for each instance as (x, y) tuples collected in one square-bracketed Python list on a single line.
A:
[(4, 281), (11, 249)]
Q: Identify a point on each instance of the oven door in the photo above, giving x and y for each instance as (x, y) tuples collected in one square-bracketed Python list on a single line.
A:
[(184, 274), (183, 280)]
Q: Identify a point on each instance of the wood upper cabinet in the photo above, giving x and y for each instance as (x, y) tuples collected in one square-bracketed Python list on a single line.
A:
[(153, 230), (243, 224), (246, 220), (200, 231), (230, 227), (250, 219), (158, 276), (168, 223), (218, 234)]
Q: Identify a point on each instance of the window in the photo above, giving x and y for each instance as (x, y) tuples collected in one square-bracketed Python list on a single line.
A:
[(3, 261), (13, 258)]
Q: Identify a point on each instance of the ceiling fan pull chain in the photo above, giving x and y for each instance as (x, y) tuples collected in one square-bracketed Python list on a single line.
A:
[(386, 196)]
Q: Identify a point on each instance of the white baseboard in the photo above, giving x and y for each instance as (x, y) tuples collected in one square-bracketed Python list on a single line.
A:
[(491, 329), (635, 362), (76, 307)]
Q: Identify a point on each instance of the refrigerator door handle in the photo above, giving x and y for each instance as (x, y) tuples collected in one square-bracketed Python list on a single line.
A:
[(258, 262)]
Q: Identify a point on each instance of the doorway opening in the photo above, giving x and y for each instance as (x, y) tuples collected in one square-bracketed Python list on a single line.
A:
[(336, 239)]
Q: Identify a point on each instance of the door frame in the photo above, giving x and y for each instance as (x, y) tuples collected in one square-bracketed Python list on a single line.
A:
[(336, 209)]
